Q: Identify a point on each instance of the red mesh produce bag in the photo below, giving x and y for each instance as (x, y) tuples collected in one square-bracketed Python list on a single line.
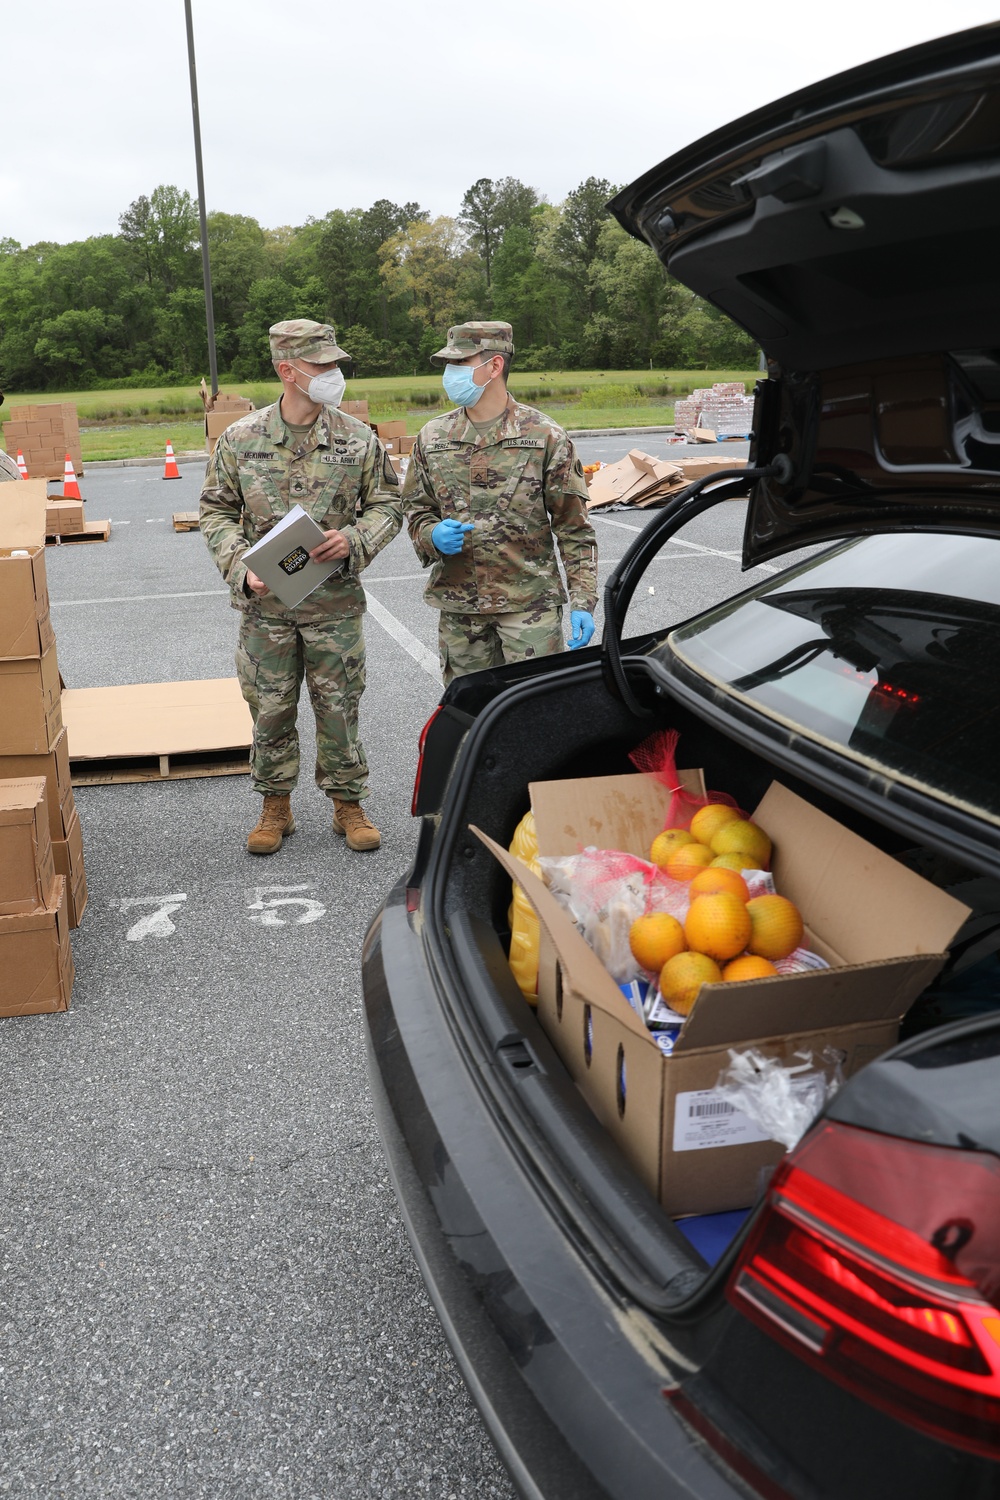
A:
[(657, 756)]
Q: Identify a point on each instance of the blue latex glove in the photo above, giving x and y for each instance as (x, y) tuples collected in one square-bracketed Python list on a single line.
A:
[(583, 628), (449, 536)]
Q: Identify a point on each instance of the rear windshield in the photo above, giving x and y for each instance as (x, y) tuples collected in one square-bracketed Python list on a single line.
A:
[(887, 647)]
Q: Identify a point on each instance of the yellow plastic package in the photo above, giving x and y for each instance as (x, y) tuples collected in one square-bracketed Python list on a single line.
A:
[(523, 922)]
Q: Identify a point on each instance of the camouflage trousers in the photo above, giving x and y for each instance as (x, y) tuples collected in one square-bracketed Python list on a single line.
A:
[(272, 657), (470, 643)]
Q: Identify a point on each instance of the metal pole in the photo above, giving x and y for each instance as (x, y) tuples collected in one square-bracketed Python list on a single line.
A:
[(213, 363)]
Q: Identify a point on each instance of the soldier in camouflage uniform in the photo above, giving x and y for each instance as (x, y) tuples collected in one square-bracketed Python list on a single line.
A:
[(491, 487), (302, 451)]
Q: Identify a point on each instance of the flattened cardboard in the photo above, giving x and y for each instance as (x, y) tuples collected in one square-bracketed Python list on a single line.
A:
[(68, 856), (27, 870), (25, 627), (156, 718), (53, 765), (22, 515), (632, 1088), (31, 720), (36, 960)]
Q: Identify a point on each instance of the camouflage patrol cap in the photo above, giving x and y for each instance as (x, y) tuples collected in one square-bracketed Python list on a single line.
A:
[(301, 338), (475, 338)]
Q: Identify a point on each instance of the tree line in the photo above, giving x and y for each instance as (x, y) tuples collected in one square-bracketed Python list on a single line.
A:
[(128, 308)]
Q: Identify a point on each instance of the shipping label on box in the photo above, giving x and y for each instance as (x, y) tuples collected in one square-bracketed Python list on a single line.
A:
[(27, 869), (36, 960), (25, 627), (883, 930), (30, 692)]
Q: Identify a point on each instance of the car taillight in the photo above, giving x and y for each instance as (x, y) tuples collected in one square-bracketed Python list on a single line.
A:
[(877, 1260), (420, 760)]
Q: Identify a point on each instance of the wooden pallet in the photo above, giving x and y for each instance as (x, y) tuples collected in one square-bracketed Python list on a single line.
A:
[(185, 520), (135, 768), (93, 531), (157, 731)]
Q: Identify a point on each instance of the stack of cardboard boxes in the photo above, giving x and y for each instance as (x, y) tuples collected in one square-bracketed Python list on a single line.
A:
[(222, 413), (33, 750), (36, 960), (394, 440), (45, 434)]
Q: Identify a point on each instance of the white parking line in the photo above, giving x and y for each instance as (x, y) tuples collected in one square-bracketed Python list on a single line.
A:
[(405, 638), (676, 541), (144, 598)]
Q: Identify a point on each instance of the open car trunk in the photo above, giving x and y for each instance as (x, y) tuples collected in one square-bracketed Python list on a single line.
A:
[(567, 725)]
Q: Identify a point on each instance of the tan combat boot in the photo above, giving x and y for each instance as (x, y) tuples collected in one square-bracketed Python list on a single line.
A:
[(275, 821), (349, 819)]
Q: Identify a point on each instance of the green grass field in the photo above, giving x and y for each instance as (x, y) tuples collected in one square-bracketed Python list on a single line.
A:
[(137, 424)]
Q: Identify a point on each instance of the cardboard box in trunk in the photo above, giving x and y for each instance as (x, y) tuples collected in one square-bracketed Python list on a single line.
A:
[(27, 868), (25, 627), (67, 854), (36, 960), (53, 765), (30, 693), (883, 930)]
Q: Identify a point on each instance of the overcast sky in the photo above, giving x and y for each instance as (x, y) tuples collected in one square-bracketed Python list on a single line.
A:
[(308, 107)]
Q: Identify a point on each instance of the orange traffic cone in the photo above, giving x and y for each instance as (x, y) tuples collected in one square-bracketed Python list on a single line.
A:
[(170, 469), (71, 490), (22, 467)]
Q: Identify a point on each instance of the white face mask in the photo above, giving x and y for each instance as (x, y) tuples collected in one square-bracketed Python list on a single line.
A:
[(326, 389)]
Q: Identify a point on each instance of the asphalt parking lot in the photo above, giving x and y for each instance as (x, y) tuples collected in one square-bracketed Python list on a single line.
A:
[(206, 1290)]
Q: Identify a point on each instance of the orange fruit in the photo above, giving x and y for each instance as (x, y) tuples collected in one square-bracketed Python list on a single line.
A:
[(735, 862), (748, 966), (655, 938), (776, 926), (686, 861), (710, 818), (666, 842), (715, 878), (682, 977), (717, 925), (740, 836)]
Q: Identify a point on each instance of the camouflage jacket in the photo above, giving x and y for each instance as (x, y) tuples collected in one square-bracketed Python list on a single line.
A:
[(522, 490), (339, 473), (8, 468)]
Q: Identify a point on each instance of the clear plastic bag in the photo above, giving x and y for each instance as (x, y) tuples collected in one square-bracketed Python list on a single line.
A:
[(605, 891), (782, 1099)]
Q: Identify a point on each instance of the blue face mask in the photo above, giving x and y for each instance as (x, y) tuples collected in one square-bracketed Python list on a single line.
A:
[(459, 385)]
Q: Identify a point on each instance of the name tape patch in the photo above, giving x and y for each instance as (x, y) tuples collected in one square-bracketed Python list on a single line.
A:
[(522, 442)]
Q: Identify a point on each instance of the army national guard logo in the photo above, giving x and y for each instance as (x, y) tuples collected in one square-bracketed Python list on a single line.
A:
[(294, 562)]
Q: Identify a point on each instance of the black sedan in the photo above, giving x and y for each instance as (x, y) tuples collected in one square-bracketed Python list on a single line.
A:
[(841, 1338)]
